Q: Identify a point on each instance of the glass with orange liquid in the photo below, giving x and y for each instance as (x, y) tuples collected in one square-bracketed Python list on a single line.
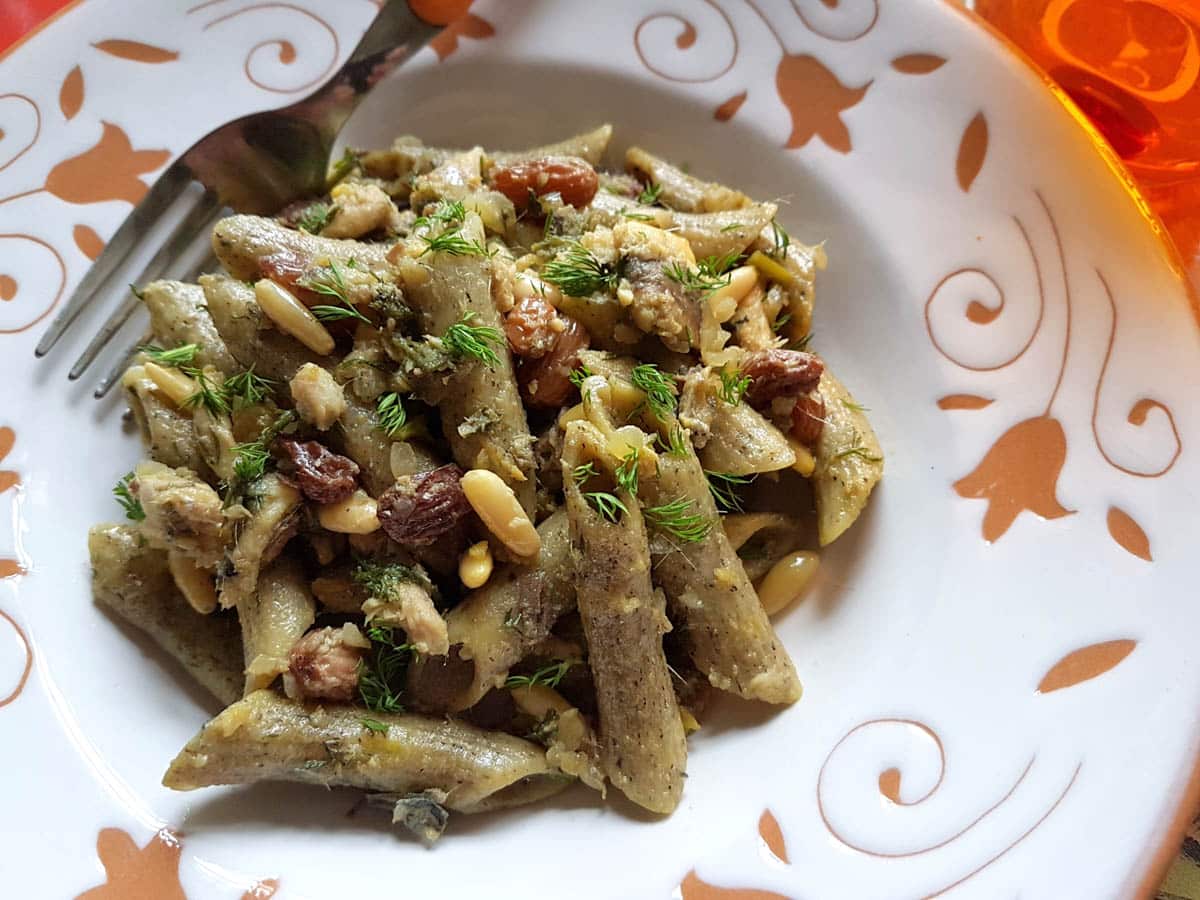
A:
[(1133, 67)]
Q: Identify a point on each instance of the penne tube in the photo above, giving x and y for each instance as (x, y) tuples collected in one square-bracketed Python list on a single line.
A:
[(273, 618), (849, 461), (179, 315)]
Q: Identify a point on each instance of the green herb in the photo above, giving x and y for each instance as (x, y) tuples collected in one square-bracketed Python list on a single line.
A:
[(176, 356), (210, 396), (859, 451), (383, 580), (675, 519), (732, 226), (250, 461), (129, 503), (637, 216), (331, 284), (391, 412), (650, 193), (659, 390), (626, 473), (549, 675), (381, 673), (578, 375), (247, 388), (855, 407), (723, 488), (582, 473), (577, 273), (447, 213), (733, 385), (608, 506), (453, 243), (780, 238), (463, 339), (676, 441), (801, 344), (715, 266), (316, 216), (373, 725), (343, 167), (711, 273), (780, 321)]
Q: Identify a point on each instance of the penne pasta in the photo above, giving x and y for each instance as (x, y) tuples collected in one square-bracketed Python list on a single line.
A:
[(273, 618), (178, 316)]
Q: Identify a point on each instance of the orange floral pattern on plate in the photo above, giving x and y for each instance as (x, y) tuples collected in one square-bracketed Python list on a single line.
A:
[(137, 873)]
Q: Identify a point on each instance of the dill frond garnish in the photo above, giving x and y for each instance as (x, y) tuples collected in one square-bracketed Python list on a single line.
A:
[(583, 472), (373, 725), (382, 580), (650, 194), (453, 243), (803, 343), (676, 441), (723, 487), (711, 273), (346, 164), (859, 451), (733, 385), (626, 474), (780, 238), (578, 375), (250, 461), (607, 505), (211, 396), (855, 407), (675, 519), (732, 226), (636, 216), (129, 503), (463, 339), (381, 673), (331, 284), (659, 390), (316, 216), (391, 412), (577, 273), (780, 321), (247, 388), (549, 675), (182, 355)]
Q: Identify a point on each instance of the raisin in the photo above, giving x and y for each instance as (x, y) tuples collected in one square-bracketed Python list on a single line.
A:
[(780, 373), (568, 176), (530, 327), (321, 475), (808, 418), (419, 509), (546, 382)]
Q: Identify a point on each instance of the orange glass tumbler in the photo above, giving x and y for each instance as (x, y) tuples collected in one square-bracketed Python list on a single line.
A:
[(1133, 68)]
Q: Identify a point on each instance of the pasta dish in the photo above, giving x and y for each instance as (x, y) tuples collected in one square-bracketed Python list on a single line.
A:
[(482, 475)]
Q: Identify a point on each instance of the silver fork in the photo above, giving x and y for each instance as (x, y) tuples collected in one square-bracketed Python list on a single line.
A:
[(256, 164)]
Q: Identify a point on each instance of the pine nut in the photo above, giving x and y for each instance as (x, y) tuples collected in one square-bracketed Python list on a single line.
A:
[(787, 580), (292, 317), (197, 585), (805, 462), (357, 514), (496, 504), (537, 700), (724, 300), (177, 386), (475, 566)]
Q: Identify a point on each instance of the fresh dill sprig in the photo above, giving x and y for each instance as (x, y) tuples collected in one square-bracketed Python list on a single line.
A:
[(578, 375), (650, 194), (583, 472), (383, 579), (626, 473), (732, 226), (453, 243), (780, 239), (676, 441), (250, 461), (247, 388), (780, 321), (391, 412), (182, 355), (577, 272), (373, 725), (723, 487), (715, 266), (675, 519), (659, 390), (609, 506), (316, 216), (381, 673), (129, 503), (711, 273), (211, 396), (333, 285), (463, 339), (636, 216), (447, 213), (801, 344), (859, 451), (855, 407), (549, 675), (733, 385)]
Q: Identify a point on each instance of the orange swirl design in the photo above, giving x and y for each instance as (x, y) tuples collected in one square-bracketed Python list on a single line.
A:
[(62, 282), (1139, 411), (37, 128), (982, 314), (840, 38), (286, 50), (684, 41), (26, 669)]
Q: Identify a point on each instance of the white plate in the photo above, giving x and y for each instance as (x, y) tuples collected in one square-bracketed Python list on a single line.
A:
[(1000, 685)]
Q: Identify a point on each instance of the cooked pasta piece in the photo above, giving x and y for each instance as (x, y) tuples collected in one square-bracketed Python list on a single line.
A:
[(849, 461), (266, 737), (274, 617), (732, 438), (641, 736), (243, 327), (166, 430), (179, 317), (721, 233), (272, 523), (682, 191), (131, 579)]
